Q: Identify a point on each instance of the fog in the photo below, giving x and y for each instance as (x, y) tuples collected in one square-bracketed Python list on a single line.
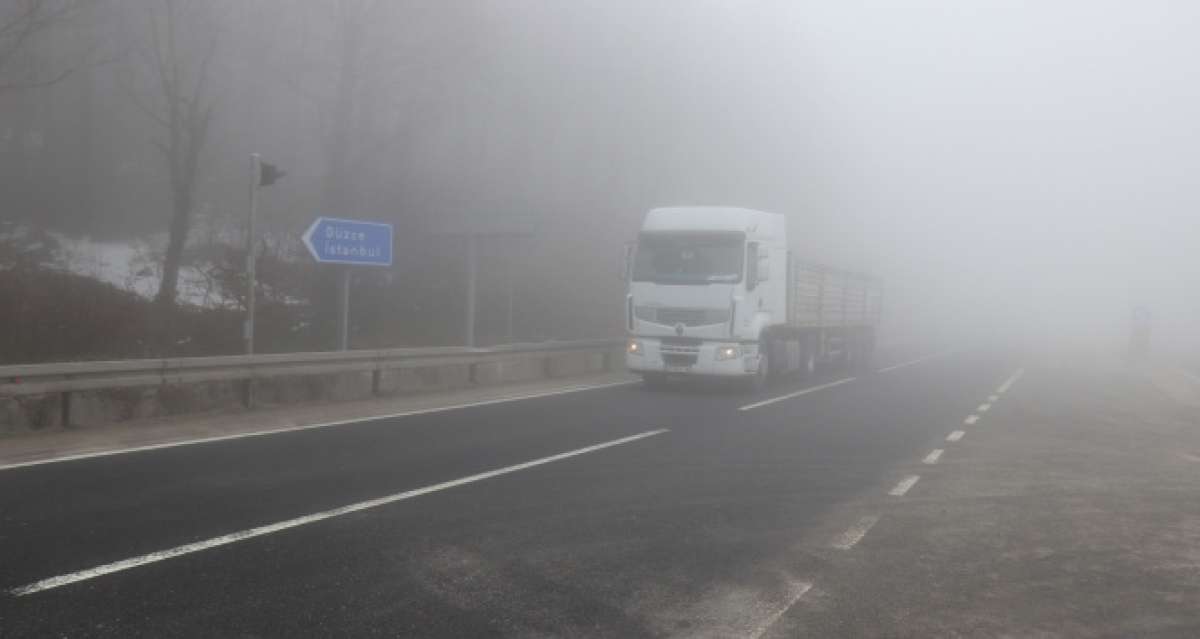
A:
[(1031, 159), (1011, 170)]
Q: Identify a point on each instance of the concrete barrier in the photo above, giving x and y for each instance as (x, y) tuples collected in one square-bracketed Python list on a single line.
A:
[(142, 398)]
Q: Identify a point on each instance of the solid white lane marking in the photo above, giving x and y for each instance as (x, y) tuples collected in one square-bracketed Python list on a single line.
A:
[(993, 398), (983, 408), (798, 588), (971, 419), (796, 394), (289, 429), (242, 535), (904, 485), (933, 456), (855, 533), (955, 436), (912, 362), (1010, 381)]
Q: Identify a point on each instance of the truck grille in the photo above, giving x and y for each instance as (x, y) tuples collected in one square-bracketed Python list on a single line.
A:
[(679, 351), (684, 316)]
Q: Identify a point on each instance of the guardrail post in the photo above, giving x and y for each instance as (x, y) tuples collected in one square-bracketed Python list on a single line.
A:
[(65, 409), (248, 393), (606, 361), (472, 373), (376, 379)]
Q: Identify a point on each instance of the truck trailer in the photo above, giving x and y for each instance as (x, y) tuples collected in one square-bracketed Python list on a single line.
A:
[(717, 292)]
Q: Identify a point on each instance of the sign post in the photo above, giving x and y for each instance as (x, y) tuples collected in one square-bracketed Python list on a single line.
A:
[(251, 236), (343, 325), (477, 231), (261, 174), (472, 278), (348, 243)]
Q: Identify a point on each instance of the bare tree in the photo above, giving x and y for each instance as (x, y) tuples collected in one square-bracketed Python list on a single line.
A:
[(20, 23), (178, 52), (339, 63), (345, 63)]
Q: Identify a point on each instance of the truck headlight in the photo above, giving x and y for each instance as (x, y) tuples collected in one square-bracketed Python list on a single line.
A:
[(728, 352), (635, 347)]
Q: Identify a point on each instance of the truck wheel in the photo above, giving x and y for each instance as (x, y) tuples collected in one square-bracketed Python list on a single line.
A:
[(866, 353), (808, 364), (654, 381), (859, 354)]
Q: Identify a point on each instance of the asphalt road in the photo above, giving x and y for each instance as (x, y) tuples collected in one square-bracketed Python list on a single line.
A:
[(685, 529)]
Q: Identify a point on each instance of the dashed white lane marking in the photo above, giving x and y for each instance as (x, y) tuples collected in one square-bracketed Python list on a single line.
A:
[(983, 408), (288, 429), (912, 362), (1190, 375), (798, 393), (904, 485), (855, 533), (242, 535), (993, 398), (933, 456), (955, 436), (798, 589), (971, 419), (1010, 381)]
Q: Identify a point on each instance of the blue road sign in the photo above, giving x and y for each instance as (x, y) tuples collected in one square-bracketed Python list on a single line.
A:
[(357, 242)]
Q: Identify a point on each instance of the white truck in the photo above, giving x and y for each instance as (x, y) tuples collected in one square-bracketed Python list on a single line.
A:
[(716, 292)]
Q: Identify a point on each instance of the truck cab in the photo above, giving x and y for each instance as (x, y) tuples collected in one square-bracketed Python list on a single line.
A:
[(704, 284)]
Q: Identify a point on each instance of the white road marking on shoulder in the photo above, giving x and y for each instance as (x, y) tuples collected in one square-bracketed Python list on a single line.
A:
[(289, 429), (933, 456), (971, 419), (983, 408), (242, 535), (855, 533), (904, 485), (798, 588), (955, 436), (993, 398), (911, 362), (797, 393), (1010, 381)]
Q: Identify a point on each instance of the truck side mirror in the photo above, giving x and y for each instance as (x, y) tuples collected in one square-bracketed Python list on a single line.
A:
[(626, 268), (751, 266)]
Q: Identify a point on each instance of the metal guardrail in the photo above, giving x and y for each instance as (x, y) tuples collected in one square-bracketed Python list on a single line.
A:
[(68, 377)]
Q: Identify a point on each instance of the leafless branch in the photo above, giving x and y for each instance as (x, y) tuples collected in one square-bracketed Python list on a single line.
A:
[(17, 30)]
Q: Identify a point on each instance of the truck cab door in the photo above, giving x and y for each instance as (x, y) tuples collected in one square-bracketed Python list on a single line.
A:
[(758, 271)]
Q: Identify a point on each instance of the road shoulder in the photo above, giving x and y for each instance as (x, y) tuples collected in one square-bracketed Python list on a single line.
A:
[(1069, 510)]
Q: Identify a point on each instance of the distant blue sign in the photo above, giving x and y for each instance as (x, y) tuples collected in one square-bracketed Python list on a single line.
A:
[(338, 241)]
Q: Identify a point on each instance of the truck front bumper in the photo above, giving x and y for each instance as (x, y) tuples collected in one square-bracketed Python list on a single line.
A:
[(707, 358)]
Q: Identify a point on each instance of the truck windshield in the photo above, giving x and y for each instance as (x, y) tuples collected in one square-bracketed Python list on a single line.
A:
[(689, 258)]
